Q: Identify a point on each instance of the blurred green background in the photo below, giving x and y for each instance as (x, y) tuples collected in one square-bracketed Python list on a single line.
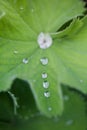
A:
[(27, 116)]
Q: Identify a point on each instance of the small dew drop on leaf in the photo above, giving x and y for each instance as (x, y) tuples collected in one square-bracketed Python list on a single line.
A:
[(15, 52), (69, 122), (2, 14), (81, 81), (44, 40), (34, 80), (45, 84), (44, 61), (66, 98), (32, 10), (49, 108), (44, 75), (21, 8), (47, 94), (25, 61)]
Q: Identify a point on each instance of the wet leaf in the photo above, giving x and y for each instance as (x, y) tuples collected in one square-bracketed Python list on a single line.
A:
[(21, 22)]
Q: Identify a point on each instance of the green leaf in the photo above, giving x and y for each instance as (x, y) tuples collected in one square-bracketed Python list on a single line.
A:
[(6, 108), (74, 116), (20, 56), (72, 29), (25, 100), (72, 54)]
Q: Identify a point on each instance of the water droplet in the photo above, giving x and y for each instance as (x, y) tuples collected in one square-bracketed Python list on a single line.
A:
[(21, 8), (44, 75), (2, 14), (25, 60), (50, 108), (47, 94), (34, 80), (81, 81), (32, 10), (15, 52), (44, 40), (45, 84), (44, 61), (69, 122), (66, 98)]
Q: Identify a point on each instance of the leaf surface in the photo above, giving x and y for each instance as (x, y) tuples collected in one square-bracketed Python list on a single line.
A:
[(20, 56)]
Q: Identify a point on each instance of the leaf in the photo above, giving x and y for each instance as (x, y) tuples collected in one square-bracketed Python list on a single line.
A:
[(6, 108), (73, 118), (74, 27), (20, 56), (25, 100), (72, 54)]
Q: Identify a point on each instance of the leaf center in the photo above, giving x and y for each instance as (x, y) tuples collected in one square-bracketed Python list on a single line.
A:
[(44, 40)]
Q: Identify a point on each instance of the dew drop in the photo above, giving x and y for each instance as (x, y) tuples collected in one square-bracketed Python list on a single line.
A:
[(66, 98), (50, 108), (47, 94), (44, 40), (69, 122), (32, 10), (44, 75), (15, 52), (34, 80), (81, 81), (44, 61), (25, 60), (45, 84), (2, 14), (21, 8)]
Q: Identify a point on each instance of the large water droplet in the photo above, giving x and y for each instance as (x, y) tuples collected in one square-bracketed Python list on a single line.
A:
[(69, 122), (47, 94), (44, 75), (45, 84), (44, 40), (44, 61), (25, 60)]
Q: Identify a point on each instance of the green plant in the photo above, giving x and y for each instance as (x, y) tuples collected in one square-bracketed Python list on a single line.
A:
[(43, 45)]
